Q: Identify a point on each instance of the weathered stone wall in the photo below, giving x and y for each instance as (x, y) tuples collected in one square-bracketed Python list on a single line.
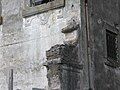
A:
[(24, 41), (103, 14)]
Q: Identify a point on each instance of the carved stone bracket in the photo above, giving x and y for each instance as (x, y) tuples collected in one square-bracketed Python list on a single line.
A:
[(71, 32), (70, 28), (62, 60), (63, 65)]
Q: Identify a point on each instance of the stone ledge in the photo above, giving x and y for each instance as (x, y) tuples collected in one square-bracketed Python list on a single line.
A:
[(63, 55), (65, 52), (55, 52), (29, 11), (70, 28), (60, 62)]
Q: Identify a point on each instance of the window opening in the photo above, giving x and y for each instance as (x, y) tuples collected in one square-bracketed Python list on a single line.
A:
[(111, 40)]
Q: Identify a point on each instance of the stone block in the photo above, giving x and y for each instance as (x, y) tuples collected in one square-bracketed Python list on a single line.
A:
[(62, 61)]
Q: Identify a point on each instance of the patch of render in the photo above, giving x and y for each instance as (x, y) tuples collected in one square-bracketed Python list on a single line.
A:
[(48, 31), (24, 42)]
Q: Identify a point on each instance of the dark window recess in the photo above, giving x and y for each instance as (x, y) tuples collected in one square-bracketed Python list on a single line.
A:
[(38, 2), (111, 39)]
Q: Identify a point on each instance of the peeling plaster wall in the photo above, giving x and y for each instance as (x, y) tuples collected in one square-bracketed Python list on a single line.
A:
[(24, 41)]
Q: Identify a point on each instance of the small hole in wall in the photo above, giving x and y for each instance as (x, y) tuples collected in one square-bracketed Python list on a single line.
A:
[(73, 20), (72, 5), (59, 11)]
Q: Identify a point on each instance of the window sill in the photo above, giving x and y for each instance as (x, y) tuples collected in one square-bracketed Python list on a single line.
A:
[(29, 11)]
